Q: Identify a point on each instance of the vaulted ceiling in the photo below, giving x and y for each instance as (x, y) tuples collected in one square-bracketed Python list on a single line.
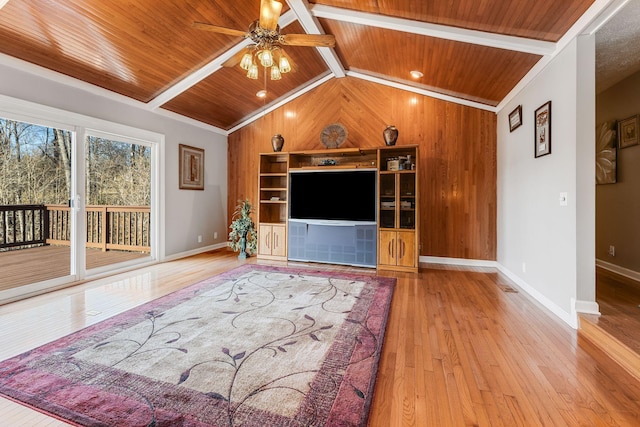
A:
[(468, 50)]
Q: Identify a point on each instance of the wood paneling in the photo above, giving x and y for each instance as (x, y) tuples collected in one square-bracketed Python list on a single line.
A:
[(142, 48), (468, 71), (227, 96), (135, 48), (537, 19), (457, 155)]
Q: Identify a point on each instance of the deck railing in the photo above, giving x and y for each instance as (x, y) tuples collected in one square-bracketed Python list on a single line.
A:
[(108, 227)]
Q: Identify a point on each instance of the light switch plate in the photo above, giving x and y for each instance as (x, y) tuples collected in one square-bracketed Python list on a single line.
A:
[(563, 199)]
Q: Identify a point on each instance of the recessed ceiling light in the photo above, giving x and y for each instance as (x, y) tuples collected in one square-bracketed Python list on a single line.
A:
[(261, 93), (416, 74)]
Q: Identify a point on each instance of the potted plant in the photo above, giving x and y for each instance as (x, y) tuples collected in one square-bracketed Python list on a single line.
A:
[(243, 236)]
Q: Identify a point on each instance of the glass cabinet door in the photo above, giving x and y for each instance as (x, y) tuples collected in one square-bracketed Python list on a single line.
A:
[(407, 200), (388, 200)]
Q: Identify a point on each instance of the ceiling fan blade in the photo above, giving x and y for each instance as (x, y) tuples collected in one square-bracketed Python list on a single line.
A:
[(322, 40), (269, 14), (216, 29)]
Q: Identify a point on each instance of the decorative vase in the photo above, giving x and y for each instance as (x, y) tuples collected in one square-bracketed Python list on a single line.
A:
[(277, 141), (390, 135), (243, 248)]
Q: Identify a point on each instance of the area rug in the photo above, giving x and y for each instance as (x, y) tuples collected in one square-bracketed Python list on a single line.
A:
[(255, 346)]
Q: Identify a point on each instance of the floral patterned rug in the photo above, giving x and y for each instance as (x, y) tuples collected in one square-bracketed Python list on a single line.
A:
[(256, 346)]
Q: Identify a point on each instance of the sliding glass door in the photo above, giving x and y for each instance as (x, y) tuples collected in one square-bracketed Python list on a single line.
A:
[(62, 219), (37, 225), (118, 200)]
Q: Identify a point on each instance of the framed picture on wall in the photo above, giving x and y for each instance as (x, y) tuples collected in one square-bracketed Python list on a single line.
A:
[(191, 170), (515, 118), (628, 132), (542, 120)]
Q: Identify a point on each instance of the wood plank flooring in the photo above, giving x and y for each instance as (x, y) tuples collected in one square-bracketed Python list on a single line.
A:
[(462, 348), (619, 300), (25, 266)]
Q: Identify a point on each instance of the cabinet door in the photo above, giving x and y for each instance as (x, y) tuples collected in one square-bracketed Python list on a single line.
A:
[(264, 239), (279, 240), (387, 248), (406, 249)]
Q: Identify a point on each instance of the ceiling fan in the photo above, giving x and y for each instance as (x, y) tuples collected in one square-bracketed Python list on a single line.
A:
[(265, 34)]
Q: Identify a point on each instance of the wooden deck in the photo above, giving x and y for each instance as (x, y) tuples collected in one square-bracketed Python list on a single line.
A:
[(462, 348), (25, 266)]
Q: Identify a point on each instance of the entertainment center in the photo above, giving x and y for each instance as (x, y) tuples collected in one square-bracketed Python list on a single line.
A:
[(342, 206)]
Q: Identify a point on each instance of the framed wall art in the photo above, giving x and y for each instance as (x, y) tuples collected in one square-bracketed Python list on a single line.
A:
[(628, 132), (515, 118), (542, 120), (191, 170), (606, 153)]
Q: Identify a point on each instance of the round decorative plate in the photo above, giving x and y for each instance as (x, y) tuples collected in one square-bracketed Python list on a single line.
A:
[(333, 135)]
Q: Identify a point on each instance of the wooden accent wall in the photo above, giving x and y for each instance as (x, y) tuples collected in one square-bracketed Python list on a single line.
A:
[(457, 155)]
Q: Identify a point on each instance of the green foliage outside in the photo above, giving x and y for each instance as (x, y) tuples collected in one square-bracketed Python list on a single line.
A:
[(35, 168)]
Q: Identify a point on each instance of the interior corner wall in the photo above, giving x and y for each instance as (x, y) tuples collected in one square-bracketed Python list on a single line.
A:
[(187, 213), (537, 236), (618, 205)]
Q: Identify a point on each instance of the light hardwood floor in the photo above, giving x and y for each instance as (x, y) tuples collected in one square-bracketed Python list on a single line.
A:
[(462, 348)]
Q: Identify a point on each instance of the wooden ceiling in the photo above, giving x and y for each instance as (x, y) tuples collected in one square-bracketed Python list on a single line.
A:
[(146, 50)]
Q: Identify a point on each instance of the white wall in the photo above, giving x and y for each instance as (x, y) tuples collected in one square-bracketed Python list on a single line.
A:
[(538, 238), (187, 213)]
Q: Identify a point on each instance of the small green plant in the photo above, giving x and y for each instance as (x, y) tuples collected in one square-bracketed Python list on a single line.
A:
[(243, 237)]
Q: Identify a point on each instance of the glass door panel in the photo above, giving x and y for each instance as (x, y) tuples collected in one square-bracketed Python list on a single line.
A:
[(118, 202), (388, 200), (407, 200), (36, 221)]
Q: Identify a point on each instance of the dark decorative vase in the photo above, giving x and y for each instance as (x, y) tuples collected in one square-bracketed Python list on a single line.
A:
[(243, 248), (277, 141), (390, 135)]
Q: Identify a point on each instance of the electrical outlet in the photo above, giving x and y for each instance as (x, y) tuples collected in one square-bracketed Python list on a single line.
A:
[(524, 267), (215, 234), (612, 250), (199, 239)]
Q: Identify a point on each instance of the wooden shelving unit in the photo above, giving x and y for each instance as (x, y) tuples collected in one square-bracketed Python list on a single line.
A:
[(398, 241), (273, 206), (348, 158)]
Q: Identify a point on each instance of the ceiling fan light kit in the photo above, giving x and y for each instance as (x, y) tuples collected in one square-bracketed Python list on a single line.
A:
[(267, 50)]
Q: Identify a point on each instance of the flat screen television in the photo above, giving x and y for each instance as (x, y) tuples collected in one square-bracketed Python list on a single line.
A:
[(344, 195)]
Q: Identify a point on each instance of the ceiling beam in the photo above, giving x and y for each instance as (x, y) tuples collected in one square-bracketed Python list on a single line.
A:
[(210, 68), (312, 26), (422, 92), (501, 41)]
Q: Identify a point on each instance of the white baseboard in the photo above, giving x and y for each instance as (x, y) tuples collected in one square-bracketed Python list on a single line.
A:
[(618, 270), (195, 251), (457, 261), (585, 307), (570, 319)]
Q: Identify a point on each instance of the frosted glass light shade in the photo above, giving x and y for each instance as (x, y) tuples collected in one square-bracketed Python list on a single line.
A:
[(275, 73), (246, 62), (266, 58), (253, 72), (285, 67)]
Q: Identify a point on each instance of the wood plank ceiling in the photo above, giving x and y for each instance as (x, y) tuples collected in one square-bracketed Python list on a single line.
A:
[(146, 50)]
